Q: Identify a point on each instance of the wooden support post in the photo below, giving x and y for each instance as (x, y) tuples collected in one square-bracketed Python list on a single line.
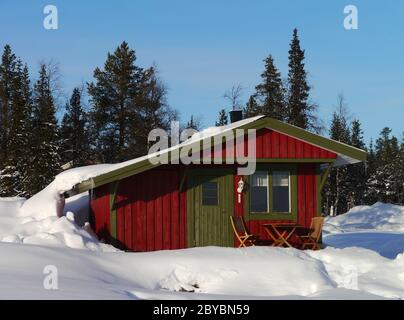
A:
[(325, 176), (112, 210)]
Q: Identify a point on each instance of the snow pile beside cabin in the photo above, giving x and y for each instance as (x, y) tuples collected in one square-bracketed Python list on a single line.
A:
[(379, 227), (380, 216), (35, 221)]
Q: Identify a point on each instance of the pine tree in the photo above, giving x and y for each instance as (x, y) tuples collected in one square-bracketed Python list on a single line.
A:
[(270, 93), (223, 118), (152, 111), (371, 159), (73, 132), (113, 100), (371, 166), (301, 111), (8, 73), (251, 109), (356, 172), (385, 184), (386, 147), (45, 149), (15, 172)]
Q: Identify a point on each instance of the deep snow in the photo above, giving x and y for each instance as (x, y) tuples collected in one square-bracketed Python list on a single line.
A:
[(364, 258)]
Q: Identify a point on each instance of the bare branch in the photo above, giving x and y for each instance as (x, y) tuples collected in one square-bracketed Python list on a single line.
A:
[(234, 95)]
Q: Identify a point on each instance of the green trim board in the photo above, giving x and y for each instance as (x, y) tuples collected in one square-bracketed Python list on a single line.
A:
[(318, 191), (112, 209), (325, 176), (207, 224), (292, 215), (264, 122)]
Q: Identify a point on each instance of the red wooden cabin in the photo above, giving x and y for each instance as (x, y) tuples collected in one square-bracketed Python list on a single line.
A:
[(141, 206)]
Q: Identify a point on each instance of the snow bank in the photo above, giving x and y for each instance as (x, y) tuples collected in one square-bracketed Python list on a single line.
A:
[(201, 273), (380, 216), (35, 221), (49, 231), (379, 227)]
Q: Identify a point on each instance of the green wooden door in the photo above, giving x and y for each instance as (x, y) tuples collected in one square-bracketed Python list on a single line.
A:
[(211, 207)]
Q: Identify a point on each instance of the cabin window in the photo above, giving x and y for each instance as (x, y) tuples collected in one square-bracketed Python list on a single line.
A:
[(259, 192), (210, 192), (281, 191), (270, 193)]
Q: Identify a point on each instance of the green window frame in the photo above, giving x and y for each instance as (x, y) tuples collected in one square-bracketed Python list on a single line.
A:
[(271, 214)]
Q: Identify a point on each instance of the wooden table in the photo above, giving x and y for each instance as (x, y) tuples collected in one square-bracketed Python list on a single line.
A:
[(280, 233)]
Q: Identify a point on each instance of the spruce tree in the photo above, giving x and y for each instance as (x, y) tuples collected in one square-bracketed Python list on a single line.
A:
[(8, 73), (251, 109), (356, 172), (385, 183), (152, 112), (270, 93), (73, 132), (301, 112), (45, 149), (16, 170), (223, 118)]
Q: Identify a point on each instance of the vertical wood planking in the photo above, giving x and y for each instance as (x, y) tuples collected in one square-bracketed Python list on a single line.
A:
[(174, 213), (158, 222), (275, 145), (283, 146), (150, 211), (291, 147), (142, 216)]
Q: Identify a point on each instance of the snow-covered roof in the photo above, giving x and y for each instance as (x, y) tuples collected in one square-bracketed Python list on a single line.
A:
[(92, 176)]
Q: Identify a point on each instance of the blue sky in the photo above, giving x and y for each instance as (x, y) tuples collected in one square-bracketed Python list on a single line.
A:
[(202, 48)]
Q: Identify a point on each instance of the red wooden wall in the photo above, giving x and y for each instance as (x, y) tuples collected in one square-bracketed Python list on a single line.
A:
[(99, 212), (152, 213), (306, 193), (274, 145)]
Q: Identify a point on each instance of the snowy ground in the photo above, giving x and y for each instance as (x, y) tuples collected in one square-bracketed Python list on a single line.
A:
[(363, 260)]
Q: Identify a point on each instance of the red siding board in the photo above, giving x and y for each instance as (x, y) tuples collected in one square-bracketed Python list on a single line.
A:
[(174, 215), (283, 146), (150, 212), (166, 215), (142, 239), (275, 145), (128, 226), (158, 225), (291, 148), (99, 212)]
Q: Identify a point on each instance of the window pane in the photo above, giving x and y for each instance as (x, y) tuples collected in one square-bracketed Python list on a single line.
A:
[(280, 191), (259, 192), (210, 194)]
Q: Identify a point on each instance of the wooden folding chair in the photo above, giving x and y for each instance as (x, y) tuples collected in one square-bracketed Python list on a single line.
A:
[(243, 235), (312, 238)]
